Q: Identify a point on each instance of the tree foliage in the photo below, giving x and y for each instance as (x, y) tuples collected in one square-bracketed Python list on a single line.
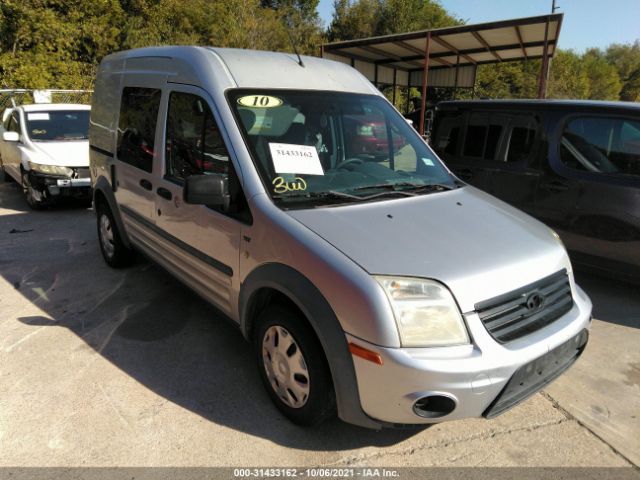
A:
[(59, 43), (365, 18)]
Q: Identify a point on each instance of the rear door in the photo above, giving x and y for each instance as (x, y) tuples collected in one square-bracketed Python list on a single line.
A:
[(515, 173), (136, 151)]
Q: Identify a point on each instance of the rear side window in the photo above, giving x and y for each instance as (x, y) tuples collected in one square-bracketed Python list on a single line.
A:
[(137, 126), (483, 136), (602, 145), (521, 140)]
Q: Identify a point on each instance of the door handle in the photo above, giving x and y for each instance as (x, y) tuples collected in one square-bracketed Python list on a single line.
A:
[(555, 186), (146, 184), (164, 193)]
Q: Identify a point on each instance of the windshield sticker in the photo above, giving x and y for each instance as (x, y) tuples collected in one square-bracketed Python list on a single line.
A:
[(280, 185), (37, 116), (259, 101), (300, 159), (427, 161)]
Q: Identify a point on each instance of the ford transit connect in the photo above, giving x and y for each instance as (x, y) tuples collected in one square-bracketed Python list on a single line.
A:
[(377, 287)]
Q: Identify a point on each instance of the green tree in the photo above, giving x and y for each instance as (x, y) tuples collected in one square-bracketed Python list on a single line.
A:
[(604, 81), (626, 60), (365, 18), (568, 77)]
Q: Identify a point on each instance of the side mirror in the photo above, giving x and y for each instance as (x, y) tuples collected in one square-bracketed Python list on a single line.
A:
[(211, 189), (11, 136)]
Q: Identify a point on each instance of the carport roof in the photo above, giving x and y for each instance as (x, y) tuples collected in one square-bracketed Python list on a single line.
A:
[(493, 42)]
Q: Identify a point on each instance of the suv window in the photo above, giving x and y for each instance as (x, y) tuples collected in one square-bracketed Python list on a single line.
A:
[(448, 135), (483, 136), (521, 140), (137, 126), (602, 145), (193, 145)]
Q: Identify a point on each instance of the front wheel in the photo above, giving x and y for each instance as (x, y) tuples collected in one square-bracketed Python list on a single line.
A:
[(33, 197), (114, 251), (293, 366)]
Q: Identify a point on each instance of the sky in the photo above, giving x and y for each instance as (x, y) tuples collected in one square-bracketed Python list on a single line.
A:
[(586, 23)]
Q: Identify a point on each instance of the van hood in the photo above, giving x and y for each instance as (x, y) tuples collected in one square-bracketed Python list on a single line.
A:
[(477, 245), (71, 153)]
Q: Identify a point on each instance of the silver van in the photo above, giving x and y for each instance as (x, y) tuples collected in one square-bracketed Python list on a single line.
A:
[(373, 285)]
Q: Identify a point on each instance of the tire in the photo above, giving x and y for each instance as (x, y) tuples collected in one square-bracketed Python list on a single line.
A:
[(295, 373), (30, 193), (114, 251)]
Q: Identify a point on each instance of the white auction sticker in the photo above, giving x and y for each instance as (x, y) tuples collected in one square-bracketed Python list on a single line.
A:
[(38, 116), (300, 159)]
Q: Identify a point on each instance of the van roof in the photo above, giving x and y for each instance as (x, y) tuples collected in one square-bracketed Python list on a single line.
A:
[(250, 68), (535, 104)]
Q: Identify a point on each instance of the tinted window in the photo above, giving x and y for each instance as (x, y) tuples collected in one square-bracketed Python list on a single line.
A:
[(193, 145), (602, 145), (58, 125), (483, 137), (137, 126), (521, 142)]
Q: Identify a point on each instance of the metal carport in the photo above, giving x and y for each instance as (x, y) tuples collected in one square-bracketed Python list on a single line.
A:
[(449, 57)]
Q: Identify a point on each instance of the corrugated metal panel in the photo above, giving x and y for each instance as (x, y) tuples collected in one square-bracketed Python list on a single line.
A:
[(337, 58), (366, 68), (385, 75), (445, 77)]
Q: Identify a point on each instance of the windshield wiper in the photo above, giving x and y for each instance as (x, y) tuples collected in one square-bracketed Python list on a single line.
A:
[(328, 195), (406, 187)]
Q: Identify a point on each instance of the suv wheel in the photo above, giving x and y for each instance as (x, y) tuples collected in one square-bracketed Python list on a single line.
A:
[(115, 253), (293, 366)]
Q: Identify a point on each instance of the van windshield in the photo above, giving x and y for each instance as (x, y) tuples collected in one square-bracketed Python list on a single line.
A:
[(58, 125), (325, 148)]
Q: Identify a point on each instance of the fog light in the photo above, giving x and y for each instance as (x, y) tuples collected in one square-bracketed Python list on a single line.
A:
[(434, 406)]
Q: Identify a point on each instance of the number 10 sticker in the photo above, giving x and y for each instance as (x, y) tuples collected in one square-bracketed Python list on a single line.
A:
[(259, 101)]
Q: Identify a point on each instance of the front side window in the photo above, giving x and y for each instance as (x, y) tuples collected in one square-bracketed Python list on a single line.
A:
[(137, 126), (602, 145), (193, 145), (322, 148), (57, 125)]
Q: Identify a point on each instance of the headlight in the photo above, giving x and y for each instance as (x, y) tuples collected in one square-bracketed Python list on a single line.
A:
[(425, 312), (50, 169)]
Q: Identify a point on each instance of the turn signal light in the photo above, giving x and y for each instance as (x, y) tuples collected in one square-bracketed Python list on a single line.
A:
[(362, 352)]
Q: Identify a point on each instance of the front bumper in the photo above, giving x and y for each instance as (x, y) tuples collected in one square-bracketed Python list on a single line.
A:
[(54, 186), (482, 379)]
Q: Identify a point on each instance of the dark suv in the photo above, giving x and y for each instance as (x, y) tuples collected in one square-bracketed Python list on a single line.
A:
[(575, 165)]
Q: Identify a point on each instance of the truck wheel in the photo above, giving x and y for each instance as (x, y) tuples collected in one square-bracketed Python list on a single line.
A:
[(293, 367), (33, 197), (115, 253)]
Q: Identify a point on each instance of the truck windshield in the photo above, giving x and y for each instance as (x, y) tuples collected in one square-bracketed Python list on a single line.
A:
[(325, 148), (58, 125)]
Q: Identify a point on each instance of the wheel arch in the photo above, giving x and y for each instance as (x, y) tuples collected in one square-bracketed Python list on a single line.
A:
[(276, 282), (103, 195)]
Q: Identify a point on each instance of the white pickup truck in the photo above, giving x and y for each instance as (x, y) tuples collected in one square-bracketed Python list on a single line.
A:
[(45, 148)]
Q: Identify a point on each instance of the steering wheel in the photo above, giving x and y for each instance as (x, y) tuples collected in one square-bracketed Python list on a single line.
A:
[(349, 161)]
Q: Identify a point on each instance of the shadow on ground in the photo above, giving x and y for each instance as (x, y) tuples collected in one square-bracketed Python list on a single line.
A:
[(151, 327)]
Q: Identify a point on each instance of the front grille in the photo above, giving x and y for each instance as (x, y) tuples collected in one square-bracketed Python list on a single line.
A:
[(523, 311)]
